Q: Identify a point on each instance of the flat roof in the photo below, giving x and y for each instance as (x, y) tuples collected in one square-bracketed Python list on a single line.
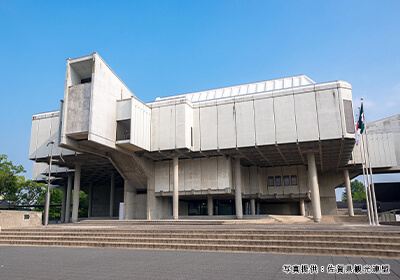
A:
[(244, 89)]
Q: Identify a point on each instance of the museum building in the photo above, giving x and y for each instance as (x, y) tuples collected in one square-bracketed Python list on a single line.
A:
[(278, 146)]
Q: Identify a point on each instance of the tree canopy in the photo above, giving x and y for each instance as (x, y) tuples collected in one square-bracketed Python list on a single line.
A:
[(357, 191), (13, 187)]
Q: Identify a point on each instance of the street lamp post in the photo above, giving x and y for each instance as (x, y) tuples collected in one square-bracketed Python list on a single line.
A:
[(47, 202)]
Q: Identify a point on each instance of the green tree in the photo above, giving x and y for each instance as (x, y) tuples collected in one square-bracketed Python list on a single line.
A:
[(357, 191), (30, 192), (10, 180)]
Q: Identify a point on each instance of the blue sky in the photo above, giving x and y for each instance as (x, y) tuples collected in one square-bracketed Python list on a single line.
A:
[(161, 48)]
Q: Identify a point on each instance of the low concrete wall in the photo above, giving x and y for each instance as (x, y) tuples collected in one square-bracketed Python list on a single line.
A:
[(18, 219)]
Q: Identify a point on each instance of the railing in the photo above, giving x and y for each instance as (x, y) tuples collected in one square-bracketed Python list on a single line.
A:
[(391, 216)]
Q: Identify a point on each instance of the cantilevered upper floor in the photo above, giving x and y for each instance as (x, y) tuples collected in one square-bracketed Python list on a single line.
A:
[(266, 122)]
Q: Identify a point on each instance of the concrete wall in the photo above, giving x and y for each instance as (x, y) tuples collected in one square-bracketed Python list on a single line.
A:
[(255, 180), (171, 125), (78, 109), (45, 128), (20, 219), (198, 174), (383, 143), (307, 113)]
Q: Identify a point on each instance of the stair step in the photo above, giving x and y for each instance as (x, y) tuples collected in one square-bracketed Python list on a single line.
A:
[(321, 244), (262, 237), (209, 247), (220, 232)]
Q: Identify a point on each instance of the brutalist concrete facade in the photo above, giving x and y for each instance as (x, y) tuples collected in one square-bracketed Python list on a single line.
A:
[(273, 147)]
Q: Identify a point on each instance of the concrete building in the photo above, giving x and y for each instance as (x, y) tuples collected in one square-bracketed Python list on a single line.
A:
[(279, 146)]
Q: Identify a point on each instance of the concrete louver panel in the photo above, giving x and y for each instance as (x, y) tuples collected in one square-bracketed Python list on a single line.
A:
[(264, 121), (329, 119), (245, 132), (226, 126), (285, 119), (306, 116), (208, 128), (140, 125)]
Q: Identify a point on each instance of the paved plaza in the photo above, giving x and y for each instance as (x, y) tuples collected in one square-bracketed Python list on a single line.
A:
[(29, 262)]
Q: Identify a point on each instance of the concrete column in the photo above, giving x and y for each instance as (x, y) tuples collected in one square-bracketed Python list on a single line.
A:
[(348, 192), (68, 202), (210, 205), (252, 206), (112, 192), (64, 198), (77, 188), (90, 199), (151, 199), (129, 200), (175, 199), (302, 208), (312, 176), (238, 189), (258, 208)]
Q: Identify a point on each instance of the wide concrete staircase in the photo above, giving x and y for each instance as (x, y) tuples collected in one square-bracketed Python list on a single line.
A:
[(321, 242)]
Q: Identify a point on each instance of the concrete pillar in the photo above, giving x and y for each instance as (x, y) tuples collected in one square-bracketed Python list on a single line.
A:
[(68, 202), (77, 188), (302, 208), (112, 192), (348, 192), (258, 208), (129, 200), (238, 189), (210, 205), (90, 199), (64, 200), (151, 198), (252, 206), (313, 179), (175, 200)]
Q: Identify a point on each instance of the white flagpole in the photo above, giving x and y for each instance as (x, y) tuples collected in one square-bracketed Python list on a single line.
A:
[(367, 175), (365, 184), (372, 180)]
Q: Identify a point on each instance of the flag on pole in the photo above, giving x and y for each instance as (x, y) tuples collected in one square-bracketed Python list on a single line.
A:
[(361, 120)]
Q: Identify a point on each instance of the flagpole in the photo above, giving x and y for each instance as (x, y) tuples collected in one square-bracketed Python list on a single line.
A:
[(365, 186), (372, 179), (367, 175)]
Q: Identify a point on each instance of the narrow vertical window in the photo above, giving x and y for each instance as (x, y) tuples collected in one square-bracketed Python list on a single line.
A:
[(191, 136)]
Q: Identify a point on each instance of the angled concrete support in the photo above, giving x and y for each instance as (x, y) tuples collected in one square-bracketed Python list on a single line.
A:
[(312, 176), (112, 192), (68, 202), (90, 199), (238, 189), (252, 206), (210, 205), (175, 200), (77, 188), (348, 192), (64, 200)]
